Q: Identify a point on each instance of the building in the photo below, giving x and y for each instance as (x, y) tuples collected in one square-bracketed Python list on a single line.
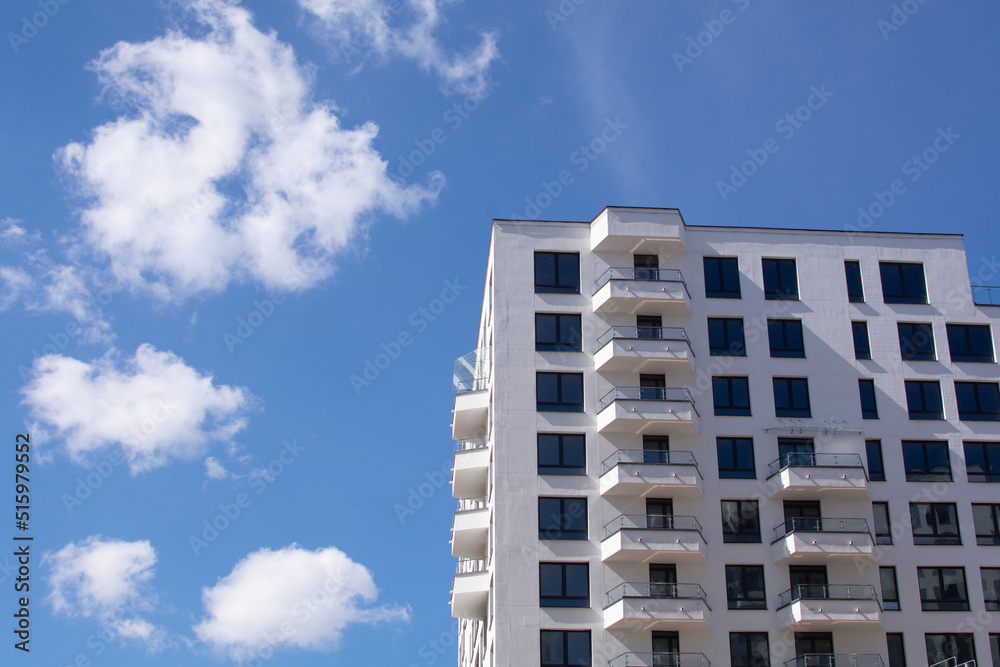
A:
[(684, 445)]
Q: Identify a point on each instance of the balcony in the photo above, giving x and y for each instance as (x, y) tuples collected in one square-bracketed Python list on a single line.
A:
[(638, 409), (470, 591), (637, 230), (836, 660), (472, 464), (816, 540), (470, 529), (634, 472), (640, 538), (472, 396), (654, 606), (805, 475), (644, 349), (824, 608), (660, 660), (625, 291)]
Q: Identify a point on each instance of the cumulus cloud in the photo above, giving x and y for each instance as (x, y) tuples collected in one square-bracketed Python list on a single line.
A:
[(223, 168), (291, 597), (366, 23), (152, 405), (215, 470), (107, 580), (13, 234)]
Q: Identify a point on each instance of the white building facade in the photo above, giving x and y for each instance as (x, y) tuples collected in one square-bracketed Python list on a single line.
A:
[(690, 446)]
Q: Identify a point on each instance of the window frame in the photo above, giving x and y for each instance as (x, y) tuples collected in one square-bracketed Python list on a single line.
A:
[(917, 410), (938, 604), (559, 345), (966, 637), (792, 410), (990, 603), (731, 409), (740, 472), (558, 287), (562, 468), (991, 462), (926, 473), (779, 328), (777, 275), (746, 603), (856, 327), (889, 572), (979, 414), (900, 646), (729, 348), (849, 268), (866, 390), (560, 405), (565, 599), (724, 277), (748, 639), (992, 538), (875, 474), (884, 537), (931, 519), (907, 293), (561, 532), (914, 338), (565, 648), (952, 331), (740, 536)]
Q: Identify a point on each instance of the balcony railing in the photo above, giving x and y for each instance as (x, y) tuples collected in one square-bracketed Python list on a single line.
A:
[(471, 565), (836, 660), (652, 522), (677, 394), (471, 504), (660, 660), (802, 459), (643, 333), (826, 592), (655, 457), (471, 443), (986, 295), (621, 273), (472, 371), (820, 525), (646, 589)]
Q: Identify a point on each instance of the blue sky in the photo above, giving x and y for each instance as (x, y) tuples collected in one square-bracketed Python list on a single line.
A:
[(214, 215)]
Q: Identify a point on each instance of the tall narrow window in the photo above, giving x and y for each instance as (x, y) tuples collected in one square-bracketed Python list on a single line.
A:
[(557, 272), (855, 290), (722, 278), (862, 347), (923, 399), (869, 409), (876, 468), (890, 592), (902, 283), (897, 654), (883, 527), (780, 280)]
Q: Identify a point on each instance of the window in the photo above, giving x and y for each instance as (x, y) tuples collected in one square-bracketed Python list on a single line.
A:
[(934, 523), (862, 348), (564, 584), (749, 649), (876, 468), (970, 342), (557, 272), (655, 449), (722, 278), (562, 518), (565, 648), (869, 409), (926, 461), (785, 338), (902, 283), (725, 337), (740, 521), (647, 267), (559, 392), (890, 592), (855, 290), (942, 647), (995, 649), (982, 461), (978, 401), (987, 520), (780, 282), (745, 586), (923, 399), (562, 454), (731, 396), (559, 332), (942, 589), (916, 341), (736, 458), (991, 587), (649, 326), (883, 527), (897, 655), (791, 397)]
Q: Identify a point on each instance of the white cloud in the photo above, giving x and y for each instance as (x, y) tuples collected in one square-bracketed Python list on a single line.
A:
[(215, 470), (12, 233), (291, 597), (366, 24), (152, 405), (107, 580), (225, 168)]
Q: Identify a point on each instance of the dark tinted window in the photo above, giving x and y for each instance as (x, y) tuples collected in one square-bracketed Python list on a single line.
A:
[(731, 396), (942, 589), (559, 392), (785, 338), (987, 520), (725, 337), (970, 342), (855, 290), (982, 461), (791, 397), (564, 584), (926, 461), (740, 521), (736, 458), (890, 591), (562, 454), (560, 332), (869, 409), (745, 587), (876, 468), (916, 341), (562, 518), (883, 527), (959, 647), (749, 649), (862, 348), (923, 399), (978, 401), (991, 587), (722, 278), (780, 281), (897, 654), (565, 648), (934, 523), (557, 272), (902, 283)]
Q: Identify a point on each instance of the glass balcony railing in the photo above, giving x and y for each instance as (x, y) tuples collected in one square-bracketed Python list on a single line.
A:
[(652, 457), (471, 566), (472, 371), (631, 273), (826, 592), (652, 522), (660, 660), (655, 590), (644, 333), (835, 660), (986, 295), (811, 459), (820, 525), (471, 443), (471, 504), (678, 394)]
